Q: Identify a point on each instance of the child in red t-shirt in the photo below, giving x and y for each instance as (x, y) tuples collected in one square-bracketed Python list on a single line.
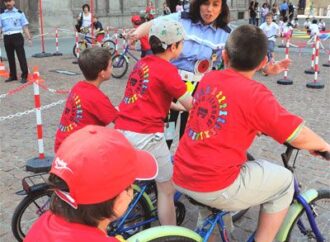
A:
[(86, 103), (91, 177), (229, 110), (144, 41), (152, 86)]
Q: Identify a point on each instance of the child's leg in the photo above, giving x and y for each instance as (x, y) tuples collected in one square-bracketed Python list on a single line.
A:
[(165, 203)]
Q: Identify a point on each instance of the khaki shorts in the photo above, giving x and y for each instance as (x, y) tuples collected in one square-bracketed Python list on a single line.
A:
[(155, 144), (259, 182)]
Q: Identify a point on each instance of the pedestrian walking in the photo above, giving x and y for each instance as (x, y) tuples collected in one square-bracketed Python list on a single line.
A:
[(12, 24)]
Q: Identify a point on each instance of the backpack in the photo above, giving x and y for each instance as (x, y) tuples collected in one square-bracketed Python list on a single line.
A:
[(79, 22)]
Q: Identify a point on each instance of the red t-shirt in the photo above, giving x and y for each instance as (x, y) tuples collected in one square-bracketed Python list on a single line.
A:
[(86, 104), (151, 87), (53, 228), (228, 111), (145, 43)]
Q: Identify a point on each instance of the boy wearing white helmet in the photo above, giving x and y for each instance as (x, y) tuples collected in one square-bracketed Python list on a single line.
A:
[(152, 86)]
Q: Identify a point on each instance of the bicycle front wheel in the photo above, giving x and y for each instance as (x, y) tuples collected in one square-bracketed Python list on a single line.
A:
[(119, 66), (166, 234), (28, 211), (135, 221), (301, 229), (109, 45)]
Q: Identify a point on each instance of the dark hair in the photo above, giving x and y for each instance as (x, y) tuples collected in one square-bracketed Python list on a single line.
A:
[(156, 45), (285, 19), (314, 21), (86, 5), (90, 214), (221, 21), (92, 61), (246, 47)]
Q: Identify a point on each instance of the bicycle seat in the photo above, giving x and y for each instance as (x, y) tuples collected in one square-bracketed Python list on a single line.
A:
[(193, 201)]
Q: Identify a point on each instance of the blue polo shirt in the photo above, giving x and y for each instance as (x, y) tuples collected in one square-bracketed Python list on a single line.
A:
[(200, 43), (12, 20)]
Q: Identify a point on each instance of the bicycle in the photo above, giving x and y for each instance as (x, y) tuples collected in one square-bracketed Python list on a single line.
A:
[(302, 212), (140, 214), (87, 41), (120, 62)]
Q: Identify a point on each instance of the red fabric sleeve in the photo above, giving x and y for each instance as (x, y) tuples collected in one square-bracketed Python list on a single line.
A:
[(270, 117), (174, 84)]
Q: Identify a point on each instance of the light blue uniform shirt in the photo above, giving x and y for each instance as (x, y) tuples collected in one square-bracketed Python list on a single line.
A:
[(12, 20), (200, 43)]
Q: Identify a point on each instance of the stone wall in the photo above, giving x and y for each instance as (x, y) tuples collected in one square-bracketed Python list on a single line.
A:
[(116, 13)]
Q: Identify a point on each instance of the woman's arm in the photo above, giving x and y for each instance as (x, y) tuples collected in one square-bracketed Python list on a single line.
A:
[(141, 31)]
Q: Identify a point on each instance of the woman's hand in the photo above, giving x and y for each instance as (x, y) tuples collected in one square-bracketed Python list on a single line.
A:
[(277, 67)]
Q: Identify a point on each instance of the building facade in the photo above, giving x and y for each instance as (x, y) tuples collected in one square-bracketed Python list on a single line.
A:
[(117, 13)]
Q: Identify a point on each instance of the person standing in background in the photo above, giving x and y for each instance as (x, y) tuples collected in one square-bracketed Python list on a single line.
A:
[(12, 24)]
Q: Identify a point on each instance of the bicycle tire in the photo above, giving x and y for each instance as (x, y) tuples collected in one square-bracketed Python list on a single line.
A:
[(119, 66), (180, 211), (323, 195), (166, 234), (17, 225), (81, 45), (110, 45), (141, 205)]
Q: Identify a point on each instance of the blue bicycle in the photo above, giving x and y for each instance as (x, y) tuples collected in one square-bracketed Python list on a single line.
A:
[(87, 41), (307, 218), (120, 62)]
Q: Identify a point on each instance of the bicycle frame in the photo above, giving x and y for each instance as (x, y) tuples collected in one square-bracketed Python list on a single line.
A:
[(119, 225)]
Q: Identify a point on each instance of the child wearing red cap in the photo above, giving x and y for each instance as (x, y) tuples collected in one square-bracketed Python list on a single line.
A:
[(151, 88), (91, 176), (86, 103), (145, 46)]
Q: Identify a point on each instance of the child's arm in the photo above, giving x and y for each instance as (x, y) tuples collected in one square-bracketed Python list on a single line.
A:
[(177, 107), (275, 68), (186, 101), (308, 140)]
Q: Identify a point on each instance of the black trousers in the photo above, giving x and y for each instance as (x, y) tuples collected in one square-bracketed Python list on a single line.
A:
[(15, 42)]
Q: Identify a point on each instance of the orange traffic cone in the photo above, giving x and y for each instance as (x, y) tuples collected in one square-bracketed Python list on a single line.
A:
[(3, 71)]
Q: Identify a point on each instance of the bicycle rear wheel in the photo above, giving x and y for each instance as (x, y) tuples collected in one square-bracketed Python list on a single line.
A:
[(110, 45), (119, 66), (321, 208), (28, 211)]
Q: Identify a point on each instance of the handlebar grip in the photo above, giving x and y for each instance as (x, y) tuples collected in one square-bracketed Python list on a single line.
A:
[(324, 154)]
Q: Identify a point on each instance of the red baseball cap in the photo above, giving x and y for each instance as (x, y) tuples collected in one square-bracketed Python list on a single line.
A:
[(98, 163), (136, 19)]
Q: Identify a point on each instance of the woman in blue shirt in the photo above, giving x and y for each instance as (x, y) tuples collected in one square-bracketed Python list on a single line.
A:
[(206, 27)]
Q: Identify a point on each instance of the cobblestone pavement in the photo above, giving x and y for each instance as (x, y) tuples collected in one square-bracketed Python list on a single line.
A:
[(18, 134)]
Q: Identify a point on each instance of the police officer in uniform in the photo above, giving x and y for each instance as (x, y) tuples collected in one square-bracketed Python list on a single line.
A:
[(12, 24)]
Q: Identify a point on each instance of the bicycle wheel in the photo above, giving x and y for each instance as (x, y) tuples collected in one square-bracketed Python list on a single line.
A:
[(321, 210), (110, 45), (28, 211), (141, 212), (119, 66), (166, 234), (81, 45)]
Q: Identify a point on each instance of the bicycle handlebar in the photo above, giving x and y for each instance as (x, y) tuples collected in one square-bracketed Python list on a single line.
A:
[(324, 154)]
